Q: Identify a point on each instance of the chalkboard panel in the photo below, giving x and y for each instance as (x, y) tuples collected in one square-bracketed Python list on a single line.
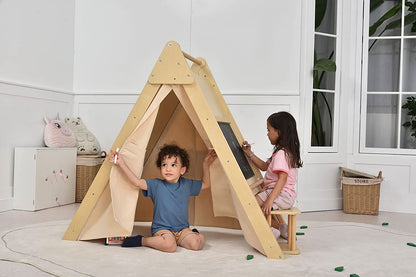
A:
[(236, 149)]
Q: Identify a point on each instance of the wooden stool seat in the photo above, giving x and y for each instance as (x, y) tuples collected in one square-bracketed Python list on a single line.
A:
[(290, 246)]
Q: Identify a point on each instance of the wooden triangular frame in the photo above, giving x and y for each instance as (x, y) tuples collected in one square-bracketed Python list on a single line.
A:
[(195, 93)]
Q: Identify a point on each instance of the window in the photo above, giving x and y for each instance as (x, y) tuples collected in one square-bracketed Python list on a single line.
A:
[(388, 122), (325, 78)]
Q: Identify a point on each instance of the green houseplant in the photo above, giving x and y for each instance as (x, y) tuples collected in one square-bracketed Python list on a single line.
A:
[(321, 66), (389, 22), (410, 106), (388, 17)]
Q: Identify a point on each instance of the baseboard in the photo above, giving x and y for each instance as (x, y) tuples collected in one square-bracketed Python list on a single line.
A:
[(6, 204)]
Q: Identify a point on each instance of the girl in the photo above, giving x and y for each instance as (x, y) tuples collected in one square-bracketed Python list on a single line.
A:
[(280, 178)]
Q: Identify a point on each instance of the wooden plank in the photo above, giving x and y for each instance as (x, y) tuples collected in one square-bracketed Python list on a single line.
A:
[(171, 67)]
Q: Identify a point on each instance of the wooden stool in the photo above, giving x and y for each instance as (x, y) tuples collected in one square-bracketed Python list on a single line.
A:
[(290, 246)]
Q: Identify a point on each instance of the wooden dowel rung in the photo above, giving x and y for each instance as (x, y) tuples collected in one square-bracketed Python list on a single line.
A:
[(194, 60)]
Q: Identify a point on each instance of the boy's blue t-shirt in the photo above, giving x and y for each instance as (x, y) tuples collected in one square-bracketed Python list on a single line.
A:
[(171, 202)]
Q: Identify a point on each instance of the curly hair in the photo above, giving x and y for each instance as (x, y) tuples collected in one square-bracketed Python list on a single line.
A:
[(168, 151)]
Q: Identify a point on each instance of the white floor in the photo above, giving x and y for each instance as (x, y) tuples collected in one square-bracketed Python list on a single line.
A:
[(16, 219)]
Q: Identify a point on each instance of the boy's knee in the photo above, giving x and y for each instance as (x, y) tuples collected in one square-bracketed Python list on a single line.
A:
[(169, 245), (197, 243)]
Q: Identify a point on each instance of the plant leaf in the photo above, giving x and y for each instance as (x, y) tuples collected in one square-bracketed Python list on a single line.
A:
[(408, 19), (317, 128), (389, 14), (320, 10), (374, 4), (412, 6), (325, 65)]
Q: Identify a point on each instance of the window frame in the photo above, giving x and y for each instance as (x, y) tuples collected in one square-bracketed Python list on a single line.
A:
[(334, 148), (364, 88)]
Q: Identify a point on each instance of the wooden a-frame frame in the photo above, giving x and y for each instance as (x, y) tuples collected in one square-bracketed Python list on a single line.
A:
[(191, 96)]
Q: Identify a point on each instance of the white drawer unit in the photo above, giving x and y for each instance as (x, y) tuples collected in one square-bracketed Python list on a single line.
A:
[(44, 177)]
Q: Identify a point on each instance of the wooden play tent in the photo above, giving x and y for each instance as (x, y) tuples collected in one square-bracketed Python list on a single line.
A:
[(180, 105)]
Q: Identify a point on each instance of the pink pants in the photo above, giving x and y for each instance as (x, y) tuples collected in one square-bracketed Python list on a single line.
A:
[(282, 202)]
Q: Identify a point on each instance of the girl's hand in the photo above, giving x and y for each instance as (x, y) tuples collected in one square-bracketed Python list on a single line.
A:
[(246, 147), (267, 206)]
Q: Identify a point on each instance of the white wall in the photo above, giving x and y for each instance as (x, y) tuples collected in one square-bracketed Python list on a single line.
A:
[(37, 43), (118, 42), (253, 49), (36, 75)]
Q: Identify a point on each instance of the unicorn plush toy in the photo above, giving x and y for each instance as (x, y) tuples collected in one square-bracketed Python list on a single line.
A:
[(58, 134)]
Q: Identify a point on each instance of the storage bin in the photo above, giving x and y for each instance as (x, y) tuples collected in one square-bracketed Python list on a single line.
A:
[(360, 191), (87, 167), (44, 177)]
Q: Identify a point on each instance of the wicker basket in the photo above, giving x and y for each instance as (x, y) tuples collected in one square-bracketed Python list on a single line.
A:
[(361, 192), (87, 168)]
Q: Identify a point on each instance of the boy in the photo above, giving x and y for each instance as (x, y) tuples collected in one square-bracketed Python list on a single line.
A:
[(170, 196)]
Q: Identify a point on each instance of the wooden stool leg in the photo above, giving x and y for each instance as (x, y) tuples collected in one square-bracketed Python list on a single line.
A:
[(291, 240), (269, 219)]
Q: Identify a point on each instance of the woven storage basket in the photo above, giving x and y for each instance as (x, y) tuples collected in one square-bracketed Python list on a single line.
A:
[(87, 168), (360, 191)]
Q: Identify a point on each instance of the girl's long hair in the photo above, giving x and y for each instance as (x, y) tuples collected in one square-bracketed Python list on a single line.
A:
[(288, 139)]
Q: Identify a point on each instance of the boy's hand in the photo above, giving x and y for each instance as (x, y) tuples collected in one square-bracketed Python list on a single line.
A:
[(111, 157), (210, 157)]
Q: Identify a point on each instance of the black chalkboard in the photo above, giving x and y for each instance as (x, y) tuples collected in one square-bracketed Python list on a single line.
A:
[(236, 149)]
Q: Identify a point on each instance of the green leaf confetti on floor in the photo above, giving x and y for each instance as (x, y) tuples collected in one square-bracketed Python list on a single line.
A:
[(339, 268)]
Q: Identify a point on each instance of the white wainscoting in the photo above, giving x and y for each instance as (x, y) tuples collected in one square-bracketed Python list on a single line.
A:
[(398, 189), (318, 182), (22, 109)]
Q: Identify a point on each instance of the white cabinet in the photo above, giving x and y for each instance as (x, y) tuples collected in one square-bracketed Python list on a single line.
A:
[(44, 177)]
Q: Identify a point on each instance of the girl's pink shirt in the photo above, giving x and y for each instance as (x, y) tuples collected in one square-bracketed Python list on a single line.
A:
[(279, 162)]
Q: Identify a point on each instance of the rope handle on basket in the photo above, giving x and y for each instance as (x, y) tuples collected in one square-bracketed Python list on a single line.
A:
[(359, 180)]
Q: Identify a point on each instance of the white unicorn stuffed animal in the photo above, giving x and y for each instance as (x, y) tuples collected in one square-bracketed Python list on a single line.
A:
[(58, 134)]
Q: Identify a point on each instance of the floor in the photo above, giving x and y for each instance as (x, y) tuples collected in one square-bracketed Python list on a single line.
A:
[(15, 219)]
